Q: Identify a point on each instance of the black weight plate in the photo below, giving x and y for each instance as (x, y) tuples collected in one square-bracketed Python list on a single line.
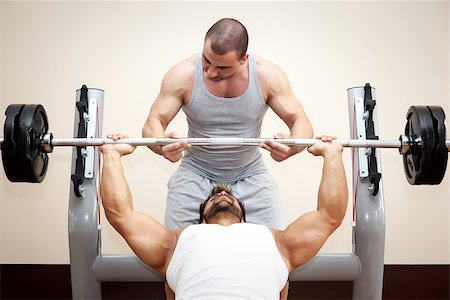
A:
[(11, 163), (33, 124), (418, 164), (440, 151)]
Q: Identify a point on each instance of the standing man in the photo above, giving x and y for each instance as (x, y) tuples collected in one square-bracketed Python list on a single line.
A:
[(225, 92)]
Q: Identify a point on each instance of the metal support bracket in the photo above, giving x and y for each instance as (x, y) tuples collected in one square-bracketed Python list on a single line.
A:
[(361, 135), (91, 120)]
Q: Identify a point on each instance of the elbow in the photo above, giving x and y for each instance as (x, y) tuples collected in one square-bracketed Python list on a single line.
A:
[(337, 214), (112, 219), (309, 129), (305, 127), (116, 218), (337, 220), (112, 214), (115, 213), (117, 222), (146, 131)]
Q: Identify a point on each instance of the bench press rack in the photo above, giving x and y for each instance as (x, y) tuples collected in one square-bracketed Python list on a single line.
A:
[(364, 266)]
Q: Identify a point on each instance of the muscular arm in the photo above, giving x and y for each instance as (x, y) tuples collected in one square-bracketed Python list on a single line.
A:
[(283, 102), (151, 242), (175, 90), (303, 238)]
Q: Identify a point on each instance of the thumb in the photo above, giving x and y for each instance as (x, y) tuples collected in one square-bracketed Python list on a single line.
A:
[(172, 134), (280, 135)]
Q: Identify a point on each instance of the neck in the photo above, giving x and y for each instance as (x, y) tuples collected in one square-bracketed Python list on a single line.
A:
[(224, 219)]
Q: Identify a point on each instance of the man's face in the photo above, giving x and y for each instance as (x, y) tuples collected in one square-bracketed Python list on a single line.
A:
[(219, 67), (222, 202)]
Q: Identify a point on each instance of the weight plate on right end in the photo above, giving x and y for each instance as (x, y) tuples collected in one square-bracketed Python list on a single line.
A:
[(440, 150), (418, 164)]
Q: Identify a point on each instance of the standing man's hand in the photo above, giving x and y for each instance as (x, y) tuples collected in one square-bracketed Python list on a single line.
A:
[(174, 151), (278, 151)]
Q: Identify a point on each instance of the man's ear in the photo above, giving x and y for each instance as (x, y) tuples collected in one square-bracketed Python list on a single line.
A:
[(243, 59)]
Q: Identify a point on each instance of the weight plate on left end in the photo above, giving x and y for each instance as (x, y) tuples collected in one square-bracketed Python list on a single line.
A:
[(33, 124), (11, 163), (22, 157)]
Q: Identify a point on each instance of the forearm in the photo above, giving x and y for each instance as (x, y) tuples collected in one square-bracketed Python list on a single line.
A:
[(333, 193), (153, 128), (301, 128), (114, 190)]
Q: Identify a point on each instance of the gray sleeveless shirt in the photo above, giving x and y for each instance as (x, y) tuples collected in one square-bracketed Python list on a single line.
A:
[(209, 116)]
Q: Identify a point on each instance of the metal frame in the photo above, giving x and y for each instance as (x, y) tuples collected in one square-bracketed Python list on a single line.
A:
[(369, 219), (84, 234), (364, 266)]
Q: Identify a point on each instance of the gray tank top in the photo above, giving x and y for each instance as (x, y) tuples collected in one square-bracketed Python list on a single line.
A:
[(209, 116)]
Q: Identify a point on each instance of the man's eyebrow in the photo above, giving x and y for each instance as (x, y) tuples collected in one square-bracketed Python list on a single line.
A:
[(207, 61), (204, 57)]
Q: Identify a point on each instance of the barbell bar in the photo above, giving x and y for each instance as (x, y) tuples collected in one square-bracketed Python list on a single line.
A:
[(81, 142), (47, 142), (27, 141)]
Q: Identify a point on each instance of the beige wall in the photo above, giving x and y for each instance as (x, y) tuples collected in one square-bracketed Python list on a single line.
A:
[(48, 50), (2, 181), (448, 102)]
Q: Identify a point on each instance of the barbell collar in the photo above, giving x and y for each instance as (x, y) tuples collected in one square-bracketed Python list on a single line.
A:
[(409, 144), (46, 143)]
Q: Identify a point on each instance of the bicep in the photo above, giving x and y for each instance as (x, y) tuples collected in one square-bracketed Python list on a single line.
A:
[(303, 238), (148, 239), (281, 98), (174, 90), (163, 110)]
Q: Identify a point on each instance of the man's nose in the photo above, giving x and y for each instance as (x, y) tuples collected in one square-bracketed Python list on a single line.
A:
[(211, 72), (223, 193)]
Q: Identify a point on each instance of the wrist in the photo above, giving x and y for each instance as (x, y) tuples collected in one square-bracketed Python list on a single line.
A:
[(156, 149), (111, 153), (333, 152)]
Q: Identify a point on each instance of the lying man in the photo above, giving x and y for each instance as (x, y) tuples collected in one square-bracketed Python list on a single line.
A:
[(223, 257)]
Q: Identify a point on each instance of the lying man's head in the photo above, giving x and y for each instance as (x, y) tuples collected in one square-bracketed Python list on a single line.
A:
[(220, 201)]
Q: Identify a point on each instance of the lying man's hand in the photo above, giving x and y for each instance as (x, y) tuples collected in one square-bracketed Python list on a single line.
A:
[(121, 149), (322, 149)]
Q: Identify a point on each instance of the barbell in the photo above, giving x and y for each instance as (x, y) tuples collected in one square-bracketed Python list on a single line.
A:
[(27, 142)]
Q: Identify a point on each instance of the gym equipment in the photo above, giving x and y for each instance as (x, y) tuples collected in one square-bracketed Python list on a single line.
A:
[(23, 158), (363, 266), (27, 142)]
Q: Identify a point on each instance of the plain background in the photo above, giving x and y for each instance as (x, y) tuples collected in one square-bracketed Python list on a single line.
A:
[(49, 49)]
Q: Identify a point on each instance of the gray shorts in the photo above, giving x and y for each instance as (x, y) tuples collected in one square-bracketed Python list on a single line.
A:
[(187, 190)]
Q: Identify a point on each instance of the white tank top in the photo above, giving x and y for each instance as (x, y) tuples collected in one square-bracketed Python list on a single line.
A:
[(240, 261)]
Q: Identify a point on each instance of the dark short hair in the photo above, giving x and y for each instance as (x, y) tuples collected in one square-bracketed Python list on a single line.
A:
[(228, 35), (217, 189)]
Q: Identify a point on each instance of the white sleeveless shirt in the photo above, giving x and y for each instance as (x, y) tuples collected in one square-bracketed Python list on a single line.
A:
[(240, 261)]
